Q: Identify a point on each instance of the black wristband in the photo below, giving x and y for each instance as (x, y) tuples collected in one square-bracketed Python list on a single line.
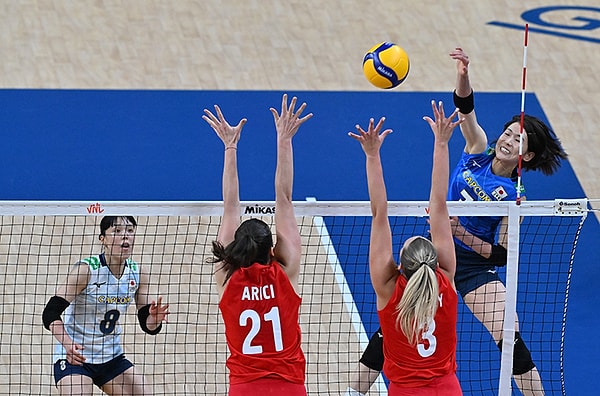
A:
[(464, 105), (55, 307), (498, 256), (142, 315)]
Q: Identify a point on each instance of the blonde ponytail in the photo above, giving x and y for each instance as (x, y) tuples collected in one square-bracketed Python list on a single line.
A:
[(419, 302)]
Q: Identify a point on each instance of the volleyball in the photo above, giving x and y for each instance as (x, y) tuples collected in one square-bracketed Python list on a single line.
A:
[(386, 65)]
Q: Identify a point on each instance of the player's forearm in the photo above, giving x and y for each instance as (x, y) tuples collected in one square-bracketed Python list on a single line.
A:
[(463, 85), (57, 329), (376, 185), (231, 195), (284, 173), (440, 173)]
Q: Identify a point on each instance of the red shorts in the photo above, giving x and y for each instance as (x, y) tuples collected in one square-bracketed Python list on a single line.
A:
[(447, 385), (267, 387)]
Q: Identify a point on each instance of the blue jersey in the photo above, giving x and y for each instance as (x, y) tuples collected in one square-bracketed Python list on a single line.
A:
[(473, 180), (92, 318)]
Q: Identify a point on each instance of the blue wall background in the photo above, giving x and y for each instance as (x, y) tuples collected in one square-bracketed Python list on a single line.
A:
[(153, 145)]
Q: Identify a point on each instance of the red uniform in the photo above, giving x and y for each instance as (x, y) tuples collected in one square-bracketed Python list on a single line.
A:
[(260, 309), (434, 356)]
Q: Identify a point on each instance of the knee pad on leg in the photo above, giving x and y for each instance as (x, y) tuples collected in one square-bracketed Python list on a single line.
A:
[(372, 357), (522, 362)]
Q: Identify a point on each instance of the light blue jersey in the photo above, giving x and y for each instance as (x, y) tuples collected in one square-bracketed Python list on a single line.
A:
[(92, 318), (473, 180)]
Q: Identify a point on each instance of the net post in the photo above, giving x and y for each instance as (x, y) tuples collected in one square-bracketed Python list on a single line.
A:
[(510, 307)]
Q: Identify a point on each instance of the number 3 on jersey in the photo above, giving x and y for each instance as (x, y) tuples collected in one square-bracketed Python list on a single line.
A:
[(424, 350), (255, 325)]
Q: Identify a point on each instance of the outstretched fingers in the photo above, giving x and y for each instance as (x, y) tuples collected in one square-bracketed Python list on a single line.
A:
[(441, 125), (373, 137), (288, 121), (230, 135)]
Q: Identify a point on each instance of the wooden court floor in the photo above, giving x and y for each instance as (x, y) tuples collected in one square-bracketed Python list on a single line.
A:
[(314, 45)]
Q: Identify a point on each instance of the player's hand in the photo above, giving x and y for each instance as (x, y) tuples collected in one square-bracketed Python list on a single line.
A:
[(74, 355), (288, 122), (159, 311), (462, 61), (230, 135), (371, 139), (443, 126)]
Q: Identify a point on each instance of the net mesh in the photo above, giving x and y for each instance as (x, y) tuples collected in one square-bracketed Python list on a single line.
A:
[(338, 311)]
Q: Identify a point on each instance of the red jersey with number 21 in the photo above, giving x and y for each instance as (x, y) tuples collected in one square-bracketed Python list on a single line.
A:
[(260, 309)]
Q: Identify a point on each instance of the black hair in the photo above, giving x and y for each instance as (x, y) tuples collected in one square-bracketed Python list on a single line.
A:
[(109, 221), (542, 141), (252, 243)]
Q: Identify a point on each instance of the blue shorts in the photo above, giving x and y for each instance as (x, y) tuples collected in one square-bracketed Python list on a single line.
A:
[(472, 271), (99, 373)]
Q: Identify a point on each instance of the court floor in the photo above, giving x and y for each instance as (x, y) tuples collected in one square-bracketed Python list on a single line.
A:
[(308, 46)]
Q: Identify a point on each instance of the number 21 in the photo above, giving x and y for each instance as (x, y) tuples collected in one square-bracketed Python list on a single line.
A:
[(271, 316)]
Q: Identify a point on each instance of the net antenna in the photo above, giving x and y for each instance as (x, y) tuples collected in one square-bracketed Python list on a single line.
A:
[(524, 79)]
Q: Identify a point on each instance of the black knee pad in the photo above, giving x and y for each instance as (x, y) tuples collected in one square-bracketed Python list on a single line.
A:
[(372, 357), (522, 362)]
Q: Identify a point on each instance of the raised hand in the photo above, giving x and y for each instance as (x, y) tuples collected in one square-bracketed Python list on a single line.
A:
[(442, 127), (462, 61), (288, 122), (230, 135), (371, 139)]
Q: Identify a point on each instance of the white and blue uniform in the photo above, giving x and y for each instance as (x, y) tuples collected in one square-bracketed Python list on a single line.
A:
[(91, 319), (473, 180)]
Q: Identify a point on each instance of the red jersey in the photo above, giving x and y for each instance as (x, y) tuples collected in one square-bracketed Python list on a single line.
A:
[(260, 310), (434, 356)]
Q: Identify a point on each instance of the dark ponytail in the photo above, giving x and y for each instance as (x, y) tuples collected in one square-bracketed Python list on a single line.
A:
[(252, 243)]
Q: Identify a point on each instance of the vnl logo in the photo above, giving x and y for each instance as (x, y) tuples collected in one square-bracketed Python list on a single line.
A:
[(583, 22)]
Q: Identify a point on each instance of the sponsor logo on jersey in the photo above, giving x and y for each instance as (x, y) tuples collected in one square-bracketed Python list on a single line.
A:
[(114, 299), (475, 187)]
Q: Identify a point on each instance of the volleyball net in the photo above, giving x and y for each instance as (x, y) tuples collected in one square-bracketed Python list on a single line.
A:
[(41, 240)]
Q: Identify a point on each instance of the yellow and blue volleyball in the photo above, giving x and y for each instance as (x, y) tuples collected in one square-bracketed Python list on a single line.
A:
[(386, 65)]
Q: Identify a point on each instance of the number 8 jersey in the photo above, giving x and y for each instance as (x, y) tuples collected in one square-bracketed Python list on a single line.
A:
[(92, 318), (260, 310)]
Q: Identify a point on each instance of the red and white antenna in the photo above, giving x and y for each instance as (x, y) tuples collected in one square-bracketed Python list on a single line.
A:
[(519, 167)]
